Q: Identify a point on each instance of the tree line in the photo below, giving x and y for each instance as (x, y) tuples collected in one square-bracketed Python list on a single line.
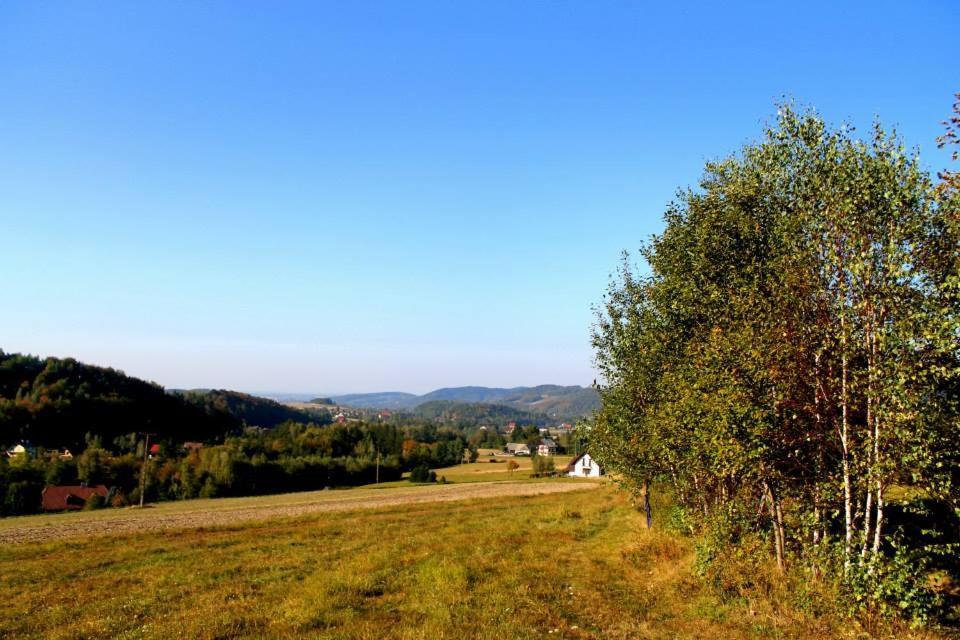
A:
[(290, 457), (789, 364)]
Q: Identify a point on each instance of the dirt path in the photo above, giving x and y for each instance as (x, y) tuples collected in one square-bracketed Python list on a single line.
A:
[(212, 513)]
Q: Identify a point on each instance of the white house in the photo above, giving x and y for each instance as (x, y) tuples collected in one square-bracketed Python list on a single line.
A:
[(18, 450), (518, 449), (547, 447), (583, 466)]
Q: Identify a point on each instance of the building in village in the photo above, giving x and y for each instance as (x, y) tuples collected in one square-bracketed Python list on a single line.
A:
[(584, 466)]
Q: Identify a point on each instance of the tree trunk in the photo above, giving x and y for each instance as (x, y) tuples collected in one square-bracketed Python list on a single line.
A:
[(775, 517), (845, 444), (878, 532), (646, 503)]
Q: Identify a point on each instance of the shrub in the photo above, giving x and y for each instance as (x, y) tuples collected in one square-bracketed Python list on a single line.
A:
[(96, 501), (421, 474), (542, 466)]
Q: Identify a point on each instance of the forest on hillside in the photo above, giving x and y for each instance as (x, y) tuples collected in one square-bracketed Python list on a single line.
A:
[(473, 414), (56, 402), (61, 403)]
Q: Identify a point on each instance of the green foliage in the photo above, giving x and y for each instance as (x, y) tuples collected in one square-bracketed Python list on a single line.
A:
[(54, 402), (542, 466), (22, 496), (792, 356), (470, 414), (897, 587), (422, 474), (249, 410), (94, 502)]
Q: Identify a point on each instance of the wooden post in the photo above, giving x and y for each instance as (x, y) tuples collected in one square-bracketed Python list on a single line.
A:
[(143, 469)]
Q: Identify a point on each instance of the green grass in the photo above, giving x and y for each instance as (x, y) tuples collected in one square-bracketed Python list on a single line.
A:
[(573, 565), (488, 468)]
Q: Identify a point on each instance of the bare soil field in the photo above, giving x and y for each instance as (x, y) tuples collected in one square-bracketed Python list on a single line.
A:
[(231, 511)]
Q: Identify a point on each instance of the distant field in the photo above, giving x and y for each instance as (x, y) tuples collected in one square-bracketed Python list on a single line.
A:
[(490, 468), (232, 511)]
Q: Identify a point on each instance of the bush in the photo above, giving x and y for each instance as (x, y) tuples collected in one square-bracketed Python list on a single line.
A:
[(119, 499), (542, 466), (96, 501), (422, 474), (22, 497)]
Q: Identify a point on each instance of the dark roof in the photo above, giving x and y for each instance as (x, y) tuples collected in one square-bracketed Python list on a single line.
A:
[(69, 497), (573, 463)]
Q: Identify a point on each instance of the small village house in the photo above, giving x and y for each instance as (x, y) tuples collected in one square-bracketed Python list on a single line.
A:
[(584, 466), (518, 449), (70, 498), (546, 447)]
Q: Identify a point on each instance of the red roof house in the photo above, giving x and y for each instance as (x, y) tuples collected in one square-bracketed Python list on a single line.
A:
[(70, 498)]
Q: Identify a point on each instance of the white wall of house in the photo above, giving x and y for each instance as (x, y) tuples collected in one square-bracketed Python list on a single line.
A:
[(585, 467)]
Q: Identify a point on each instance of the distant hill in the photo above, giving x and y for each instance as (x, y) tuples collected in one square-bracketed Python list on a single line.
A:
[(553, 400), (249, 410), (476, 413), (384, 400)]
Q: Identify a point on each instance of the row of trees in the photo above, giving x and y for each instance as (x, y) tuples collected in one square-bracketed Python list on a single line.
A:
[(795, 345), (291, 457)]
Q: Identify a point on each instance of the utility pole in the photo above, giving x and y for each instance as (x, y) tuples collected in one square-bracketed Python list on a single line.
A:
[(143, 467), (378, 465)]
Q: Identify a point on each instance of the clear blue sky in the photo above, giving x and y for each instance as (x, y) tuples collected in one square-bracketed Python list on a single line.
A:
[(332, 197)]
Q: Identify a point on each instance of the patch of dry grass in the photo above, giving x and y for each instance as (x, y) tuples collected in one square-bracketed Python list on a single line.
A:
[(568, 565), (230, 511)]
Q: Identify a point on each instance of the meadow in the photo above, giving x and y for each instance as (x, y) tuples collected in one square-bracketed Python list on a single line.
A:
[(576, 564)]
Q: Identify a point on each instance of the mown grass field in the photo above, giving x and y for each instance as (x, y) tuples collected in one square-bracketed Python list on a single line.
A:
[(490, 468), (570, 565)]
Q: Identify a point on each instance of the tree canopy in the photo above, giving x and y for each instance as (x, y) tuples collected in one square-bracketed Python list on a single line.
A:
[(794, 345)]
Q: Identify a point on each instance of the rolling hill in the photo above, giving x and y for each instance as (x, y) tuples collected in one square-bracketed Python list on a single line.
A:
[(476, 413), (249, 410), (551, 400), (384, 400), (55, 402)]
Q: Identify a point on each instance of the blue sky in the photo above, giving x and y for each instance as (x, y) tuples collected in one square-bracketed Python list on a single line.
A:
[(333, 197)]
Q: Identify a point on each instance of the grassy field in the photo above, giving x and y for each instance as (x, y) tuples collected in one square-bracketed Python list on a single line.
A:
[(168, 516), (490, 468), (568, 565)]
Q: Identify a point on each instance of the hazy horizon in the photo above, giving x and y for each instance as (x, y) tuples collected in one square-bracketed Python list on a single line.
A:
[(392, 196)]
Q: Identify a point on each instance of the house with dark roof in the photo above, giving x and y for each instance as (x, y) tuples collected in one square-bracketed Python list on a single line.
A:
[(546, 447), (70, 498), (583, 466)]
